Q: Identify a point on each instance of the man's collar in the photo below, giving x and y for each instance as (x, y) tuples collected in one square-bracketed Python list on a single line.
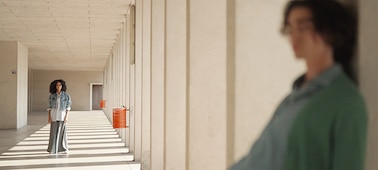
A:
[(323, 79)]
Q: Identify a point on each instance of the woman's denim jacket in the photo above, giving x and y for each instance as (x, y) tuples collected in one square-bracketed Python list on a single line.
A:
[(65, 101)]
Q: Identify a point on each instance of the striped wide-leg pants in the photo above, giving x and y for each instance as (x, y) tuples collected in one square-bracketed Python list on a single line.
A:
[(58, 137)]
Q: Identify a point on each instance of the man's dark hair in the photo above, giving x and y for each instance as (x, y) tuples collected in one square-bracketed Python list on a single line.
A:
[(53, 85), (336, 23)]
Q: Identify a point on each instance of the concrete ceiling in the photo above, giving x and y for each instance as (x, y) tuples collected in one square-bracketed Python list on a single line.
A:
[(64, 34)]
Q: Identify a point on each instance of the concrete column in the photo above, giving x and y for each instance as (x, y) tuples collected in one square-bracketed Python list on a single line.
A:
[(129, 84), (22, 85), (138, 80), (176, 85), (368, 61), (14, 85), (146, 85), (157, 84), (208, 90), (231, 83), (120, 79)]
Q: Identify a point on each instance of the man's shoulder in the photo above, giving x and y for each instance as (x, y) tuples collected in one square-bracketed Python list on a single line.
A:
[(343, 92), (340, 93), (343, 87)]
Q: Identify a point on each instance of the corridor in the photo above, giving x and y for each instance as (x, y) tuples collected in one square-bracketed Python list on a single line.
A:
[(200, 79), (92, 141)]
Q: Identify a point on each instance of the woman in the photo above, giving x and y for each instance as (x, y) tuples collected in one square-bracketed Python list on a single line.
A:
[(59, 106)]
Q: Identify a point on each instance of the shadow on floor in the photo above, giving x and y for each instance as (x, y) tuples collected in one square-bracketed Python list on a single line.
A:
[(92, 142)]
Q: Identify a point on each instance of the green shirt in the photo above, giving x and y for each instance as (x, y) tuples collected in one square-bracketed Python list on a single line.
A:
[(329, 133), (276, 146)]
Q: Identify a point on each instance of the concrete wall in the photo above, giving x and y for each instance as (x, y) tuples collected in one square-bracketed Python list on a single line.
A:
[(368, 61), (8, 86), (13, 85), (78, 86), (265, 68)]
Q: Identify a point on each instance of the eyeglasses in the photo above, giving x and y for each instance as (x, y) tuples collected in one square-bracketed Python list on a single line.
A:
[(301, 27)]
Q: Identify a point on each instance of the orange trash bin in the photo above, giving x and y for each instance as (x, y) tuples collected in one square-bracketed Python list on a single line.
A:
[(102, 103), (119, 117)]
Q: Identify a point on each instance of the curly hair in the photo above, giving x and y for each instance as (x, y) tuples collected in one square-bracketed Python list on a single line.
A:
[(336, 23), (53, 85)]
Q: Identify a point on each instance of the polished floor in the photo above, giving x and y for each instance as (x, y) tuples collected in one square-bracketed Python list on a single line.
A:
[(92, 141)]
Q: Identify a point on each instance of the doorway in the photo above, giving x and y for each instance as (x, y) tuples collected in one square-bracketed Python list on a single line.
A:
[(96, 96)]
